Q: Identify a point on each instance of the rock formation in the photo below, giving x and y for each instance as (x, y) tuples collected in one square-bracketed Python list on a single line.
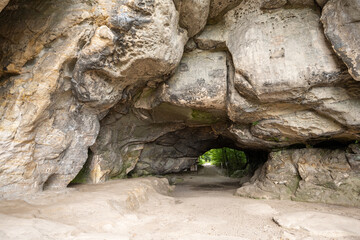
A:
[(145, 86), (312, 175)]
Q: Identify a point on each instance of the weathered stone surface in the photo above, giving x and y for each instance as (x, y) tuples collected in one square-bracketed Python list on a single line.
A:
[(219, 8), (175, 151), (321, 224), (120, 144), (295, 127), (45, 132), (314, 175), (321, 3), (153, 141), (213, 37), (272, 4), (190, 45), (339, 103), (278, 55), (199, 82), (263, 77), (106, 66), (3, 4), (302, 3), (314, 100), (63, 65), (341, 24), (193, 14)]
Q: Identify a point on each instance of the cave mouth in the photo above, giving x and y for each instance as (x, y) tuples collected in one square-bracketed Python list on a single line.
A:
[(175, 152), (232, 162)]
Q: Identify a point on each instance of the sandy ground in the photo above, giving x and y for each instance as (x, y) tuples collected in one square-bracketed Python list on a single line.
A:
[(200, 207)]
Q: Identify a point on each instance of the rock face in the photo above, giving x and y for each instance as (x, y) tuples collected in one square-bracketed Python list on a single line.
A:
[(63, 70), (199, 82), (272, 78), (3, 4), (106, 85), (193, 14), (313, 175), (218, 9), (341, 23)]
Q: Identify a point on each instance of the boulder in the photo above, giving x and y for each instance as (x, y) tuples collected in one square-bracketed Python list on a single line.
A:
[(341, 24), (199, 82), (193, 14), (218, 8), (63, 66), (314, 101), (278, 55), (312, 175), (212, 38)]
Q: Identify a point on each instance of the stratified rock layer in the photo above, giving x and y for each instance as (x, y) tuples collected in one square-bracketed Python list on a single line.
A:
[(312, 175), (63, 65), (341, 22), (106, 84)]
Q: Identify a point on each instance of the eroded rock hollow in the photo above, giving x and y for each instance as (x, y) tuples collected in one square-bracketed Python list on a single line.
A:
[(108, 88)]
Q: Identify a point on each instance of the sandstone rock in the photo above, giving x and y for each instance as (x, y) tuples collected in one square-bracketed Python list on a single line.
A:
[(190, 45), (272, 4), (244, 138), (120, 144), (278, 55), (302, 3), (321, 2), (3, 4), (218, 8), (45, 132), (283, 108), (262, 77), (199, 82), (193, 14), (154, 141), (175, 151), (295, 127), (320, 224), (315, 175), (213, 37), (155, 46), (337, 103), (341, 19), (63, 65)]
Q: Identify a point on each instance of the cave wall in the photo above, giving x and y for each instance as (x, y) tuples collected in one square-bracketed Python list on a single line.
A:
[(309, 174), (147, 85)]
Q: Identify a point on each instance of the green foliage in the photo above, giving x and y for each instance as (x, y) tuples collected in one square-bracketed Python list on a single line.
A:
[(203, 117), (230, 159), (255, 123), (80, 178)]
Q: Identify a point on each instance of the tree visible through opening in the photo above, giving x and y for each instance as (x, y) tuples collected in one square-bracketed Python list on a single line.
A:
[(233, 161)]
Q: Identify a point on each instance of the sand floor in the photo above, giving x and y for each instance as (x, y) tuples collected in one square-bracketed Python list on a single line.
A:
[(199, 207)]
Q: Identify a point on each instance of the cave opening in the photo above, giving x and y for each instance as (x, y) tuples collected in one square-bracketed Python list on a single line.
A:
[(233, 162), (184, 151)]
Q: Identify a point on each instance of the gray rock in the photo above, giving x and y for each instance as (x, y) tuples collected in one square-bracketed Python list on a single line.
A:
[(193, 14), (320, 224), (199, 82), (218, 8), (341, 24), (63, 65), (321, 3), (213, 37), (272, 4), (278, 55), (312, 175)]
